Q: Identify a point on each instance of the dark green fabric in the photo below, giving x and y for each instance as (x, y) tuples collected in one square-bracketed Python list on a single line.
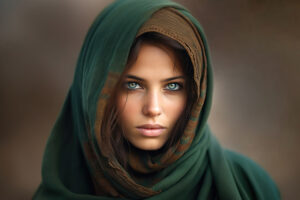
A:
[(205, 171)]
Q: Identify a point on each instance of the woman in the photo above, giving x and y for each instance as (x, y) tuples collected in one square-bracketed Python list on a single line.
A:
[(134, 124)]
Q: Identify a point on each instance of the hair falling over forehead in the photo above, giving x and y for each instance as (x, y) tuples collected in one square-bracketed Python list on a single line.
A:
[(112, 133)]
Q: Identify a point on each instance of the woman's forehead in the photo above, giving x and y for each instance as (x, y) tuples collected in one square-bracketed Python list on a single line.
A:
[(154, 62)]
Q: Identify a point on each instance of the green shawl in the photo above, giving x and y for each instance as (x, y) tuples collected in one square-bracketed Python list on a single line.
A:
[(76, 163)]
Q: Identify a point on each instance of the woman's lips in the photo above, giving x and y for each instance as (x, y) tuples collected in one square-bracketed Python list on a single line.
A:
[(151, 130)]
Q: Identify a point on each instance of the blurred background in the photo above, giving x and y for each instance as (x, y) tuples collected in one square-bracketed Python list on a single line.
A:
[(255, 50)]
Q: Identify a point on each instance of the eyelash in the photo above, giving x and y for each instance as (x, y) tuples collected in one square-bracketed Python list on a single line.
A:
[(178, 86)]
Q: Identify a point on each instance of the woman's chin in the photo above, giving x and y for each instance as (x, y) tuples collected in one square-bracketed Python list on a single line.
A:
[(149, 145)]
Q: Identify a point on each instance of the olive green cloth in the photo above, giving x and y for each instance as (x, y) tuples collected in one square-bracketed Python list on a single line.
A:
[(76, 164)]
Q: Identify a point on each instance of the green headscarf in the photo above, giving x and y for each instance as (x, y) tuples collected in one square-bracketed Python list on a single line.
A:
[(77, 163)]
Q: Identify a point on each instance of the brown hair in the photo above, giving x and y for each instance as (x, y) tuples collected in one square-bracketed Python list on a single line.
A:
[(112, 133)]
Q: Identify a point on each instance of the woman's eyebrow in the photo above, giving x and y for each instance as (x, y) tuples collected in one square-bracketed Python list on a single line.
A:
[(173, 78), (165, 80), (134, 77)]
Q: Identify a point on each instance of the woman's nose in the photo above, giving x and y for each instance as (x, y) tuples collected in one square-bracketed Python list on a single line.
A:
[(152, 105)]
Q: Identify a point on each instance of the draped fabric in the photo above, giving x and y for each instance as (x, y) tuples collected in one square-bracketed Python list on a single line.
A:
[(77, 163)]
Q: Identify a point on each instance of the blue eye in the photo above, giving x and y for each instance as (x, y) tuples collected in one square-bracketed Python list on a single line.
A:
[(173, 86), (132, 85)]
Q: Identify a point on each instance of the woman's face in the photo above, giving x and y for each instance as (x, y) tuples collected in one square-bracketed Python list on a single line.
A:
[(152, 98)]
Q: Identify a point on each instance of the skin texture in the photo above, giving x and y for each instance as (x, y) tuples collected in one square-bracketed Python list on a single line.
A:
[(149, 103)]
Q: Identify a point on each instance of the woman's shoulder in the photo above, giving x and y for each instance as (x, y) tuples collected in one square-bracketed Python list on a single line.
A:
[(247, 172)]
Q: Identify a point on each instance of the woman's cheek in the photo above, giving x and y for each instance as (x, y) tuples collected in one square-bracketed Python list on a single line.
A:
[(130, 104), (175, 105), (128, 107)]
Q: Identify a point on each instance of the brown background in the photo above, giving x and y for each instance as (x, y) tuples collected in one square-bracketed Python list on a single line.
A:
[(255, 50)]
